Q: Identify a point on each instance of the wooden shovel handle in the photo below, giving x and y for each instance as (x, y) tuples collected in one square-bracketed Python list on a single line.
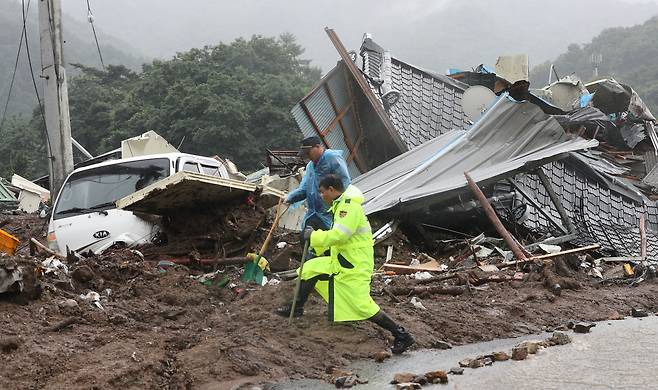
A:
[(274, 225)]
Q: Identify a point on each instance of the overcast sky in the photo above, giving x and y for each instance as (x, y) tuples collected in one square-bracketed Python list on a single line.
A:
[(417, 30)]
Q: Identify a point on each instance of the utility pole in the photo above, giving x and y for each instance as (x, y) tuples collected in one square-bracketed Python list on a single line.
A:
[(56, 98), (596, 59)]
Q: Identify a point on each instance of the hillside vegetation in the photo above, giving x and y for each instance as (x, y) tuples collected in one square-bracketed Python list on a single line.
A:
[(629, 54)]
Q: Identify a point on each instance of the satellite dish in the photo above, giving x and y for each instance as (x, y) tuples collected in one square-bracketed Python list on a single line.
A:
[(476, 100)]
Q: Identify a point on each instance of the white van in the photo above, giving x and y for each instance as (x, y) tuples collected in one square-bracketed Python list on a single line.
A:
[(85, 217)]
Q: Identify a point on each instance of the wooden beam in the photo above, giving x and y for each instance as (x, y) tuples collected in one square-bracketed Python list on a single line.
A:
[(339, 118), (643, 238), (491, 214), (365, 87)]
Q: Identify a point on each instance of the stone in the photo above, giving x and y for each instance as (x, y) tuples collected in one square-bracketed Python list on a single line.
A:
[(560, 338), (381, 356), (583, 327), (9, 344), (500, 356), (615, 316), (345, 382), (68, 303), (438, 376), (82, 274), (476, 363), (403, 377), (456, 371), (118, 319), (519, 353), (420, 379), (636, 312), (465, 363), (407, 386), (438, 344), (531, 346)]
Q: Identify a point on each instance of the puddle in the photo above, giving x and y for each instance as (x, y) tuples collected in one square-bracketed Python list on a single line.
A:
[(615, 354)]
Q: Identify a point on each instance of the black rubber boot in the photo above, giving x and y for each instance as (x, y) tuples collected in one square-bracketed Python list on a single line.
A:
[(403, 339), (305, 289)]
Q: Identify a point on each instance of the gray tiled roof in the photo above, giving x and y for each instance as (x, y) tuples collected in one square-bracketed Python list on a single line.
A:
[(429, 105), (600, 213)]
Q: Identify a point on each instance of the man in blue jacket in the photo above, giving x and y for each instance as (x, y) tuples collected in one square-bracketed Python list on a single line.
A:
[(322, 163)]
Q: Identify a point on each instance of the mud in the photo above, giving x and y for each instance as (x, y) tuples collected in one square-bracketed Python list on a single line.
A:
[(156, 327)]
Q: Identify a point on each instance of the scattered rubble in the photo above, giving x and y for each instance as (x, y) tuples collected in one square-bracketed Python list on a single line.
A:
[(557, 208)]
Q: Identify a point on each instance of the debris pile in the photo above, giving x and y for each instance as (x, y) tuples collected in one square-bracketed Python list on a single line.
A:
[(566, 167)]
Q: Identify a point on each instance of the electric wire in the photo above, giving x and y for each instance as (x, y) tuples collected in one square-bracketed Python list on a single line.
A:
[(13, 76), (90, 17)]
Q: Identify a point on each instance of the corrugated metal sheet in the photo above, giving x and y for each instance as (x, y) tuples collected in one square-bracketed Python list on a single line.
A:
[(507, 138), (321, 109)]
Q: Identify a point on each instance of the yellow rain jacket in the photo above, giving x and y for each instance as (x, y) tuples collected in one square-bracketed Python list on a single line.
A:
[(351, 260)]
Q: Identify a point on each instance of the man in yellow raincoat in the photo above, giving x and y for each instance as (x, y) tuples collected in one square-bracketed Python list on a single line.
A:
[(343, 278)]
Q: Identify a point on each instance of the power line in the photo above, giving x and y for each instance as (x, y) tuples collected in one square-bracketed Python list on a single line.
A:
[(13, 76), (90, 17)]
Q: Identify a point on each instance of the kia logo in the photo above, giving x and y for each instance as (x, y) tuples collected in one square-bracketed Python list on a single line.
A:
[(101, 234)]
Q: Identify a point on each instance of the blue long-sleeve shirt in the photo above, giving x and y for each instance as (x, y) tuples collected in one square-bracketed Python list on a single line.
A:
[(331, 162)]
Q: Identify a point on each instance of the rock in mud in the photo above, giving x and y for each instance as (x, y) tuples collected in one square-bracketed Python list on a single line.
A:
[(438, 376), (559, 338), (476, 363), (83, 274), (407, 386), (68, 303), (519, 353), (403, 377), (345, 382), (439, 344), (381, 356), (9, 344), (531, 346), (465, 362), (500, 356), (615, 316), (636, 312), (457, 371), (583, 327)]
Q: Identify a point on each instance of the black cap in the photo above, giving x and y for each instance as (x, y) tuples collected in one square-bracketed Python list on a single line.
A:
[(307, 144)]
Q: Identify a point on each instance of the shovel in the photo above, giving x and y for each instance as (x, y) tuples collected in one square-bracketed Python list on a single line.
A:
[(252, 272)]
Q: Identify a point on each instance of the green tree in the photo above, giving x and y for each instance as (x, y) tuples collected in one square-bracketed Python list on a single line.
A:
[(231, 99)]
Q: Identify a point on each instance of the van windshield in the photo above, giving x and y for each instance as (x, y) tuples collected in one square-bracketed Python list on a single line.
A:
[(97, 189)]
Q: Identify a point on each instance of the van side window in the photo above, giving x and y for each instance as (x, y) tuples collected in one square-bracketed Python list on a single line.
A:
[(212, 171), (191, 167)]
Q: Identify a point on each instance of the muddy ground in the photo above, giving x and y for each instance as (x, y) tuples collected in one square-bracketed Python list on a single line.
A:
[(157, 328)]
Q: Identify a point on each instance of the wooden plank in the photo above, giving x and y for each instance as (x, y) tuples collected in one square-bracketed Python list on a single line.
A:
[(430, 266), (552, 255)]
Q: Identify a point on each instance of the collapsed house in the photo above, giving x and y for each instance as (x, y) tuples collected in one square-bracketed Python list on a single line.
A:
[(570, 162)]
